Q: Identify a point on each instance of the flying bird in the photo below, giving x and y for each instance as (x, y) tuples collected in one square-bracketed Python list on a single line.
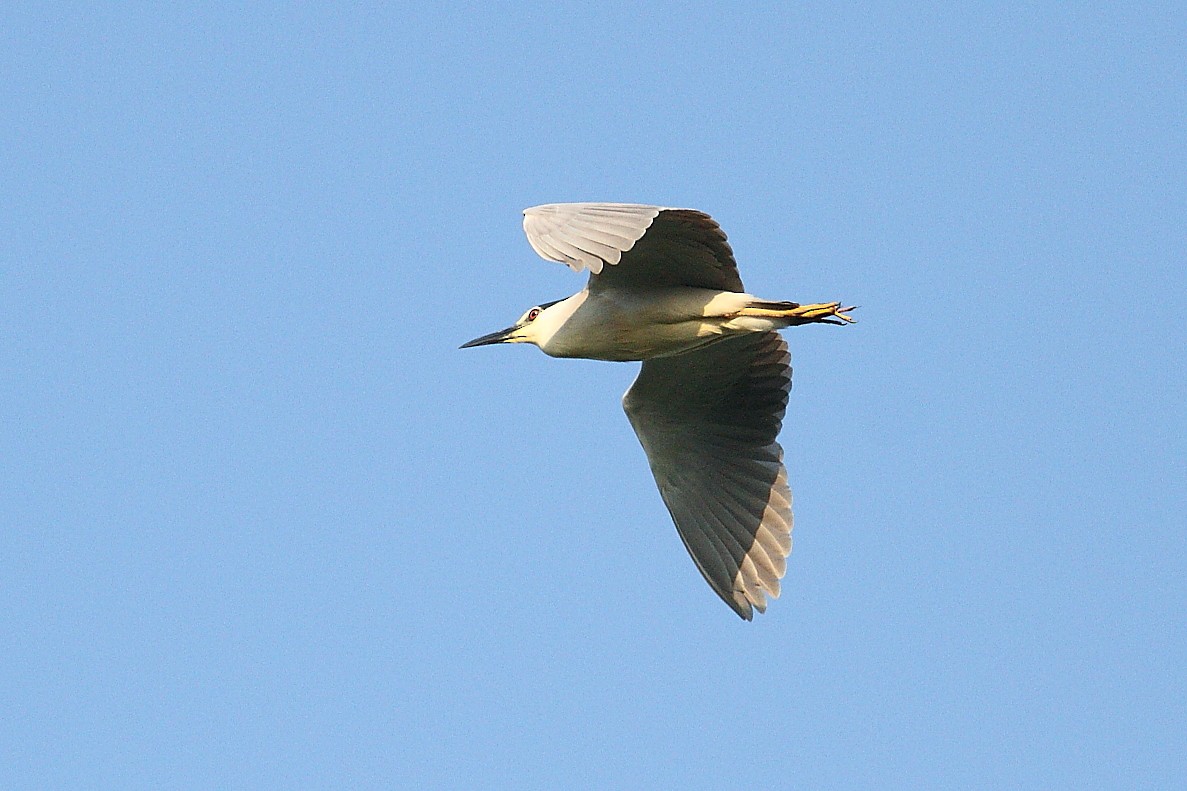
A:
[(709, 400)]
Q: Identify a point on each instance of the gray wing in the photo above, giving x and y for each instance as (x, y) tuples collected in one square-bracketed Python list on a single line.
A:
[(633, 245), (709, 421)]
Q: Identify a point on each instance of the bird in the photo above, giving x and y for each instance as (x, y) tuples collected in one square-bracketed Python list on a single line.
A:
[(710, 397)]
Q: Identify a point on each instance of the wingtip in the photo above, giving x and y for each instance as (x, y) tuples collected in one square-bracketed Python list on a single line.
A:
[(743, 606)]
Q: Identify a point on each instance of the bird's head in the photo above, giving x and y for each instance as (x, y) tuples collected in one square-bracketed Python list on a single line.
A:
[(536, 325)]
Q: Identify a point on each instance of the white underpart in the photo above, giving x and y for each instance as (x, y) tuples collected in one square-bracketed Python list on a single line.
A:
[(621, 324)]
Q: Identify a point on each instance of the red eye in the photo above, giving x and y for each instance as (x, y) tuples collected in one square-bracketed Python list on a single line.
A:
[(533, 313)]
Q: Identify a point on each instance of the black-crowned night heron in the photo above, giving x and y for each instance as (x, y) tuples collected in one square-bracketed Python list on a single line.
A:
[(709, 401)]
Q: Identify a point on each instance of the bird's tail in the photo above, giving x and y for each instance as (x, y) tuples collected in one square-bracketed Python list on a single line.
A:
[(794, 313)]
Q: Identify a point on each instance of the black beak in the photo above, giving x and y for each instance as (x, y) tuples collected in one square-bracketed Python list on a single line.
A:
[(486, 340)]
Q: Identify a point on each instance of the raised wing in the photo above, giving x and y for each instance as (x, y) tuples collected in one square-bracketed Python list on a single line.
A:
[(709, 421), (633, 245)]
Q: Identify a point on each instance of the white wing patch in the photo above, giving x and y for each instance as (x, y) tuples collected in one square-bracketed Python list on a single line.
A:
[(587, 235)]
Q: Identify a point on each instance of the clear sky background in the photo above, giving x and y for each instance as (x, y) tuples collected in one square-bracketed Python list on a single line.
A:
[(263, 525)]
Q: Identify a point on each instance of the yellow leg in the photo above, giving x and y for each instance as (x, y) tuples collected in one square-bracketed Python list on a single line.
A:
[(823, 313)]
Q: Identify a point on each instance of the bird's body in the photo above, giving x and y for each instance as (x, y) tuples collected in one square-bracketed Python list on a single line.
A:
[(621, 325), (709, 402)]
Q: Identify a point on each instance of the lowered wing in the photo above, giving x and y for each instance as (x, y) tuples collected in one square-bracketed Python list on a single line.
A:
[(709, 421)]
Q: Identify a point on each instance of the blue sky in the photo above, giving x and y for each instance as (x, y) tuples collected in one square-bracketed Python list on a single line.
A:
[(264, 526)]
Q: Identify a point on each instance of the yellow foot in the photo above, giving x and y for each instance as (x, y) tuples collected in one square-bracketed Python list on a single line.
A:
[(825, 312)]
